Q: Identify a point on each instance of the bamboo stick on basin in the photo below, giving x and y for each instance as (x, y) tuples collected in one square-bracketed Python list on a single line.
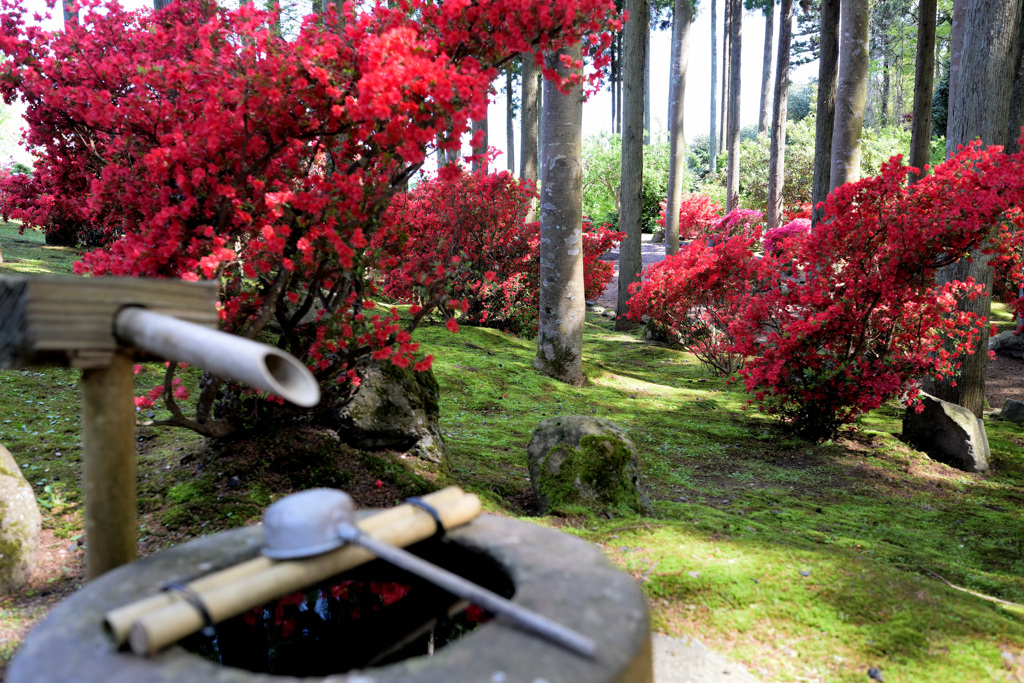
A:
[(156, 630), (119, 621)]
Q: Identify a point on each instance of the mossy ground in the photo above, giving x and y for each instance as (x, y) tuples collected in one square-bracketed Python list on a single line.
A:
[(804, 562)]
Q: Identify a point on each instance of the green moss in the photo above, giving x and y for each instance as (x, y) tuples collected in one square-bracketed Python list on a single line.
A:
[(186, 492), (11, 552), (591, 475)]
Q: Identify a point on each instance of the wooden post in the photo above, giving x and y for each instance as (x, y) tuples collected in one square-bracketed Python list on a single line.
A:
[(108, 471)]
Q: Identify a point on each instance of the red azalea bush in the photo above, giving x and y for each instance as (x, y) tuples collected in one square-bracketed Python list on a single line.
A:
[(786, 236), (738, 222), (597, 273), (697, 214), (696, 294), (870, 317), (203, 145), (791, 213), (465, 241)]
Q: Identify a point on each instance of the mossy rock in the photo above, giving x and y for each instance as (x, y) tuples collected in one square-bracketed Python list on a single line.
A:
[(395, 409), (586, 462), (20, 523)]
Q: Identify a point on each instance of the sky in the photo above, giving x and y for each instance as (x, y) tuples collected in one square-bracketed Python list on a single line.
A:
[(597, 110)]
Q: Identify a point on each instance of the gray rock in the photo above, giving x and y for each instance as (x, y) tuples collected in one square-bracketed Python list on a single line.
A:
[(658, 237), (609, 314), (655, 331), (20, 523), (584, 461), (395, 408), (1013, 410), (948, 433), (1008, 344)]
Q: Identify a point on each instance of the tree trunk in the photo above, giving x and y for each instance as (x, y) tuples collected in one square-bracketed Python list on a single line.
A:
[(713, 132), (765, 113), (613, 75), (631, 180), (647, 84), (732, 190), (481, 149), (956, 41), (618, 84), (70, 16), (851, 94), (726, 70), (924, 83), (1016, 115), (562, 305), (510, 128), (828, 71), (979, 107), (886, 85), (528, 123), (682, 17), (540, 110), (777, 155)]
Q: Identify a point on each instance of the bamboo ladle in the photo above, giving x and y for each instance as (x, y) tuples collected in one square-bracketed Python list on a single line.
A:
[(318, 520)]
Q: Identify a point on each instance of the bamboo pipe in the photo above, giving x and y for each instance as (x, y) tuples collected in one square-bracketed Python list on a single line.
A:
[(219, 353), (156, 630), (119, 621)]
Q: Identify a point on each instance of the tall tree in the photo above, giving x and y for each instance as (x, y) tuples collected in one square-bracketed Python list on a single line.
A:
[(682, 18), (647, 84), (562, 305), (613, 87), (726, 70), (631, 180), (618, 85), (732, 177), (777, 155), (1016, 116), (765, 112), (480, 130), (924, 82), (70, 16), (713, 133), (980, 89), (528, 124), (851, 93), (510, 118), (828, 74)]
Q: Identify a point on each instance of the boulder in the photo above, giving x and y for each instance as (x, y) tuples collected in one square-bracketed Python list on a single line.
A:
[(1013, 410), (658, 237), (589, 462), (394, 409), (1008, 344), (948, 433), (20, 523)]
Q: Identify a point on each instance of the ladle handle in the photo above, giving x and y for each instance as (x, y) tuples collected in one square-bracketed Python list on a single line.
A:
[(456, 585)]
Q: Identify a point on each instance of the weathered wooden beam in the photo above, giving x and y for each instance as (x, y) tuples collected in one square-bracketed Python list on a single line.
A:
[(108, 466), (69, 321)]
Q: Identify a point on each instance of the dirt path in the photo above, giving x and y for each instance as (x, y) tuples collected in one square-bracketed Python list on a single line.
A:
[(650, 253)]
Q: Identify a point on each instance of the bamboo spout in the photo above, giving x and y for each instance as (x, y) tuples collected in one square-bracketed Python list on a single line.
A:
[(219, 353)]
